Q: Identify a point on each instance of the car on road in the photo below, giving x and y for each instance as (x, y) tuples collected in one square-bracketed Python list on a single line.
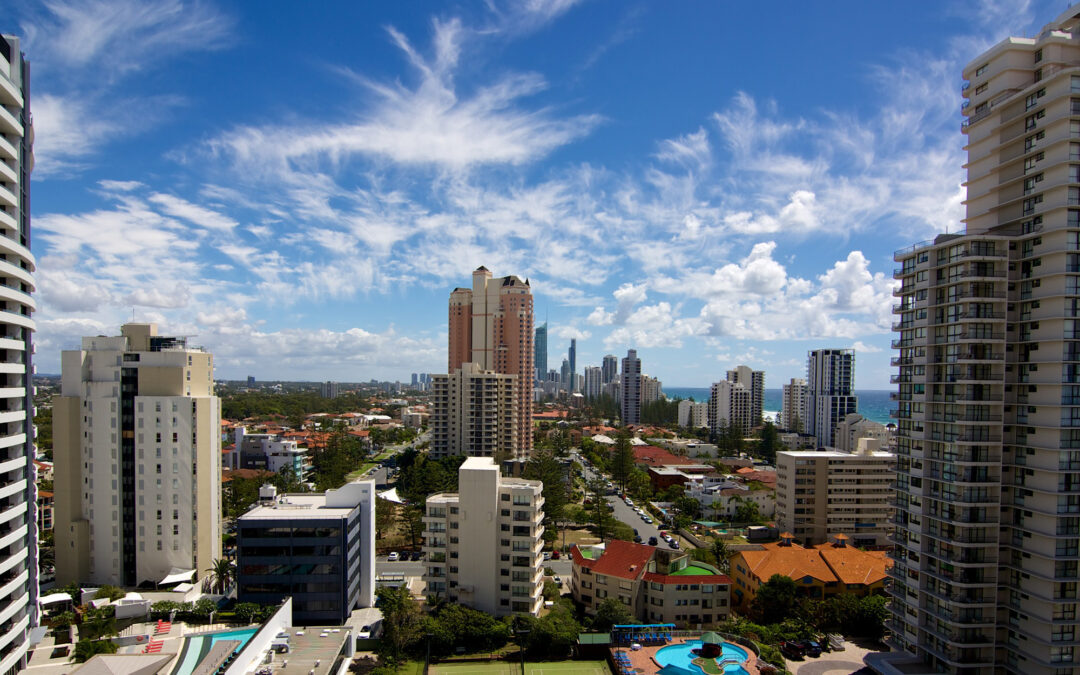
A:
[(652, 541), (791, 650), (629, 502), (392, 557), (673, 544), (811, 648), (417, 555), (637, 538), (667, 537), (555, 555), (547, 555), (647, 519)]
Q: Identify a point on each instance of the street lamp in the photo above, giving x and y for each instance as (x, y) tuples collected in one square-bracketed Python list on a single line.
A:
[(521, 634)]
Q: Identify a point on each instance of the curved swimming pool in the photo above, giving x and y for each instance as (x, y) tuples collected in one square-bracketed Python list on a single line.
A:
[(681, 656)]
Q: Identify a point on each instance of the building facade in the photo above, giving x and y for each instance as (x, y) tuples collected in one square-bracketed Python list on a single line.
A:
[(988, 386), (754, 380), (137, 448), (19, 559), (693, 415), (540, 352), (657, 585), (610, 369), (729, 406), (854, 426), (793, 406), (317, 549), (491, 325), (820, 494), (830, 392), (594, 384), (630, 391), (652, 389), (474, 412), (484, 542)]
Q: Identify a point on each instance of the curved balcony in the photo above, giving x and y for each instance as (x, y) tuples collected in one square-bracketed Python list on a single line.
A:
[(8, 123)]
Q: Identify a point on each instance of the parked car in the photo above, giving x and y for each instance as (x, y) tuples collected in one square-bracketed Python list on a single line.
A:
[(791, 650), (555, 555), (673, 544), (836, 642), (547, 555), (629, 502), (392, 557), (811, 648), (652, 541), (417, 555), (647, 519), (668, 538), (637, 538)]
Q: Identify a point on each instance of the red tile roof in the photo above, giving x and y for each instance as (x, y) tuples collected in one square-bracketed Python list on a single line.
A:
[(623, 559), (654, 456)]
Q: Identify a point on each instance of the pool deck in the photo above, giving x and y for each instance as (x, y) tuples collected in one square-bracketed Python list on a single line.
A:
[(644, 657)]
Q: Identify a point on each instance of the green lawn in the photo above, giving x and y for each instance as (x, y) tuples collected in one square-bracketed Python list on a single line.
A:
[(360, 472), (510, 668)]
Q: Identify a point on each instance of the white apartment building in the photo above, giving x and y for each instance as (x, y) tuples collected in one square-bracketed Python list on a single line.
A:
[(652, 389), (754, 380), (985, 574), (693, 415), (18, 543), (854, 426), (820, 494), (137, 447), (830, 392), (730, 404), (473, 412), (793, 406), (484, 543)]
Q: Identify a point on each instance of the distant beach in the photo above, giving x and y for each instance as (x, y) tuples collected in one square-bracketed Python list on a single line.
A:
[(874, 404)]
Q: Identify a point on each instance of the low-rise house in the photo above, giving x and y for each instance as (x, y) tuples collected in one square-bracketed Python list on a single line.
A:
[(822, 572), (657, 585)]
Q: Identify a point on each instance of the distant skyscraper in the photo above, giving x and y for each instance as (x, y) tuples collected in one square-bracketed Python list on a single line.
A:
[(573, 364), (331, 389), (491, 325), (135, 417), (754, 381), (593, 382), (540, 357), (415, 380), (19, 555), (793, 405), (631, 388), (610, 369), (474, 412), (830, 392), (564, 374)]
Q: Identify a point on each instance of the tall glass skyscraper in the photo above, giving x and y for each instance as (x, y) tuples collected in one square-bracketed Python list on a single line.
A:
[(540, 349)]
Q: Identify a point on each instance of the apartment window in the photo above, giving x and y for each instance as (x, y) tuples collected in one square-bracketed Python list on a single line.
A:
[(1033, 140), (1032, 120), (1038, 74), (1030, 203), (981, 69), (1038, 56), (1033, 99), (1030, 183), (981, 88), (1030, 162)]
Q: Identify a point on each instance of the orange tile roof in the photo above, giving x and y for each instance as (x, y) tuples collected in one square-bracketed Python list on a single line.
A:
[(654, 456), (828, 563)]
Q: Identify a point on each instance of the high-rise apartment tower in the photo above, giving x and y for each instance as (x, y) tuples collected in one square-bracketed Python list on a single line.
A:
[(137, 449), (19, 556), (830, 392), (754, 380), (793, 405), (573, 365), (610, 369), (491, 325), (988, 441), (631, 388)]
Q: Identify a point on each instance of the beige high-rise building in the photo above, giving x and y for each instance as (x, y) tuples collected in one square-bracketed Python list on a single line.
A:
[(18, 541), (730, 405), (491, 325), (137, 450), (793, 405), (985, 578), (474, 412), (753, 380), (820, 494), (484, 542)]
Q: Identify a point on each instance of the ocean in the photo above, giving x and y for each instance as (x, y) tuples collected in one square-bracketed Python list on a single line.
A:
[(874, 404)]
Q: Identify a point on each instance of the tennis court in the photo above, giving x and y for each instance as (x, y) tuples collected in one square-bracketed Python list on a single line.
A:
[(508, 668)]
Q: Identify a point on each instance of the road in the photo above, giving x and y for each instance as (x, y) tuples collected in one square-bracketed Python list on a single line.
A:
[(561, 567), (627, 514)]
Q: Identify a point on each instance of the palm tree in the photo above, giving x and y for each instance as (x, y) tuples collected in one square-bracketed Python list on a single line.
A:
[(222, 573)]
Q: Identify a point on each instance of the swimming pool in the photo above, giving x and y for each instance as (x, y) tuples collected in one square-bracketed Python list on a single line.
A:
[(681, 656), (198, 646)]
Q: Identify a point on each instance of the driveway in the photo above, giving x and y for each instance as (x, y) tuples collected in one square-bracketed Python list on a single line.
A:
[(832, 663)]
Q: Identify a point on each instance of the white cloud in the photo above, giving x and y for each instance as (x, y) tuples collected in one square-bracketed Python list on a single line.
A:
[(193, 213), (860, 346), (567, 332)]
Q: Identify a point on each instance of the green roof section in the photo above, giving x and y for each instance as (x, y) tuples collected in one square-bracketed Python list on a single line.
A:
[(587, 553), (694, 570)]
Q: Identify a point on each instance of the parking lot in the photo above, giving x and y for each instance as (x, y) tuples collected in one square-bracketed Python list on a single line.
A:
[(833, 663)]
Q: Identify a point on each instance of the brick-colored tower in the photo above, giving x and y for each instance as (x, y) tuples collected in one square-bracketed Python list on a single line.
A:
[(492, 326)]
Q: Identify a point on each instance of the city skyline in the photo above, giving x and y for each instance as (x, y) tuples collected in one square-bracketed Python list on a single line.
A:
[(303, 218)]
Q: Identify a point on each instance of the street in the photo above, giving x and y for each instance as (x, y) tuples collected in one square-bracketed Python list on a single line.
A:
[(625, 513)]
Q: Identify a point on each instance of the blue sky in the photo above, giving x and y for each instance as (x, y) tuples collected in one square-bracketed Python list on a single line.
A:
[(299, 187)]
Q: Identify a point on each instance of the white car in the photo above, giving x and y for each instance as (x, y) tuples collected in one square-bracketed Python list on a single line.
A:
[(647, 519), (392, 557), (629, 502)]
